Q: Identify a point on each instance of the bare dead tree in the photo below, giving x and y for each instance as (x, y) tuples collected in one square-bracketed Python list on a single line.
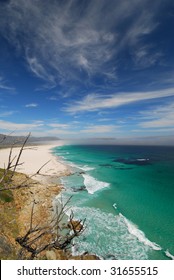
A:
[(13, 163), (24, 183), (38, 238)]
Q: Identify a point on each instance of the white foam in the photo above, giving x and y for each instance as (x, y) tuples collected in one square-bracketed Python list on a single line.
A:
[(93, 185), (106, 234), (84, 168), (133, 229), (142, 159), (115, 206), (73, 164), (169, 255), (87, 168)]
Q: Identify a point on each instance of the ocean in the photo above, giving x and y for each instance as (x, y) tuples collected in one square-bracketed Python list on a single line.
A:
[(126, 195)]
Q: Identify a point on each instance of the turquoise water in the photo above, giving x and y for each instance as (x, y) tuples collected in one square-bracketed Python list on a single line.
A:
[(126, 194)]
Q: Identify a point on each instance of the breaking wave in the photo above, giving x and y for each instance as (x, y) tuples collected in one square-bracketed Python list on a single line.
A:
[(92, 185), (167, 253), (132, 228), (86, 168), (106, 235)]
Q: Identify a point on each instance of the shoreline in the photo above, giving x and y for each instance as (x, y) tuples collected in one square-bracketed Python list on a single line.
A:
[(47, 189), (36, 158), (41, 189)]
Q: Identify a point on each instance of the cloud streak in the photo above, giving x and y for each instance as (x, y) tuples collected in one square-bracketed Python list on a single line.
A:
[(7, 113), (100, 129), (23, 127), (95, 102), (38, 128), (4, 86), (161, 117), (31, 105)]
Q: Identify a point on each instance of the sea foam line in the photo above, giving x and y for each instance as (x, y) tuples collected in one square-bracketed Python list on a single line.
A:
[(132, 228), (86, 168), (92, 185), (167, 253), (99, 225)]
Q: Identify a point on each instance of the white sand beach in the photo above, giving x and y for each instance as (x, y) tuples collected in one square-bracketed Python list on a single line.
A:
[(33, 158)]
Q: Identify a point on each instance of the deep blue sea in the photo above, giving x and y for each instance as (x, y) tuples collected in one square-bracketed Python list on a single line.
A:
[(126, 195)]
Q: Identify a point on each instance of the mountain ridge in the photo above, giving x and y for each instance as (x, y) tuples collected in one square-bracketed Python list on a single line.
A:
[(9, 139)]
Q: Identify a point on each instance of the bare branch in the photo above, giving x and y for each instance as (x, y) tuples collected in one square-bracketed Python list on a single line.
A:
[(23, 184), (42, 167), (38, 239), (20, 152), (32, 213), (12, 164), (5, 136)]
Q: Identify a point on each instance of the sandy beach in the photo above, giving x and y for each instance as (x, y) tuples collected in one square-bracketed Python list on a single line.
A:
[(33, 158)]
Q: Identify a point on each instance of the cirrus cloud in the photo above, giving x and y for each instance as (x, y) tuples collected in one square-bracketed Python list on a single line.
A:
[(67, 40), (95, 102), (31, 105), (10, 126)]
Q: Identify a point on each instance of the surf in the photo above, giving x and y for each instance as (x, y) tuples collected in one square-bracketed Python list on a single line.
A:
[(133, 229), (92, 185)]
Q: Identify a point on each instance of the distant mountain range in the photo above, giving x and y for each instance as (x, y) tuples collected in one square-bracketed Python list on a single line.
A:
[(9, 139)]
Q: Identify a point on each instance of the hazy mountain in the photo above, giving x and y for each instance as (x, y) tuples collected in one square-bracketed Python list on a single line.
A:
[(9, 139)]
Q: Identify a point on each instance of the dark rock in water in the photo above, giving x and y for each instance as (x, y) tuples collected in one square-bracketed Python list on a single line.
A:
[(124, 168), (139, 161), (81, 188), (115, 167), (110, 257), (80, 173), (106, 165)]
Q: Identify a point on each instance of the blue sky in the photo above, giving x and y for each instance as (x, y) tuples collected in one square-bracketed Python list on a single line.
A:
[(87, 68)]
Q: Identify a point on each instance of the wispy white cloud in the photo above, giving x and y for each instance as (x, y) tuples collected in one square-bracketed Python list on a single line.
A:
[(7, 113), (38, 128), (146, 56), (66, 38), (159, 117), (59, 125), (60, 132), (31, 105), (100, 129), (105, 120), (4, 85), (20, 127), (38, 69), (95, 102), (53, 98)]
